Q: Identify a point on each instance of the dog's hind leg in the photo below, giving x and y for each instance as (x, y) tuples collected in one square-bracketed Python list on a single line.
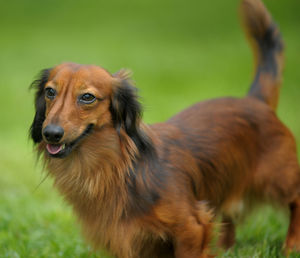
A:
[(293, 235), (277, 180), (292, 242)]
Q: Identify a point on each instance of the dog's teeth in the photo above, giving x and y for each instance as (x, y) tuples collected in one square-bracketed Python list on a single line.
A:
[(64, 146)]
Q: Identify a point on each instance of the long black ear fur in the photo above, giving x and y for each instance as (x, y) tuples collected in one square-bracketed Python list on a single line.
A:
[(126, 113), (143, 184), (40, 106)]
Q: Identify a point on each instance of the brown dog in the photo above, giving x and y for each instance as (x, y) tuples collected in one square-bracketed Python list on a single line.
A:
[(152, 191)]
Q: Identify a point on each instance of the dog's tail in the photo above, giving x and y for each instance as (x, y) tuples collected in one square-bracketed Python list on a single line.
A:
[(267, 46)]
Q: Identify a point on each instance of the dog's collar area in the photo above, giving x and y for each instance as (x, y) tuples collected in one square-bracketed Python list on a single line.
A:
[(64, 149)]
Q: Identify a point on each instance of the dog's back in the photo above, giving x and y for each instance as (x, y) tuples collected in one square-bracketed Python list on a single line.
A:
[(232, 138)]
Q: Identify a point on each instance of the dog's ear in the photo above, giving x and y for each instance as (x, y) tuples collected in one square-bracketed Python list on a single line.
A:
[(40, 106), (126, 111)]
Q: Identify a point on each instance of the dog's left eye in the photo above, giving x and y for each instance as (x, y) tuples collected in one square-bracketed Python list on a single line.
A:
[(87, 98)]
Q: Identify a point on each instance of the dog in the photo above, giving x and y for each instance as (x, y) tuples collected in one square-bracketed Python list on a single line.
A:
[(155, 190)]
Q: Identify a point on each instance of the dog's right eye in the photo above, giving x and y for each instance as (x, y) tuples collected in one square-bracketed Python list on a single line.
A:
[(50, 93)]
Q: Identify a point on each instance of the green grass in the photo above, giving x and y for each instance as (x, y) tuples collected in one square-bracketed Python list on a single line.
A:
[(180, 53)]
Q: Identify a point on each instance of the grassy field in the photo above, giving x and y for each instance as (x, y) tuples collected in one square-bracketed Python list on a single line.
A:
[(180, 52)]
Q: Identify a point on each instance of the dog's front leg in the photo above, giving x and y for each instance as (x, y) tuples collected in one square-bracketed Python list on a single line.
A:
[(191, 239), (227, 238)]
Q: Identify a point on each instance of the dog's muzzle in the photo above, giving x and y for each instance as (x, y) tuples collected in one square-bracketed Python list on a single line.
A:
[(54, 134)]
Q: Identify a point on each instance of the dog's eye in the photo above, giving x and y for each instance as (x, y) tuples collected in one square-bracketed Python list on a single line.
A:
[(87, 98), (50, 93)]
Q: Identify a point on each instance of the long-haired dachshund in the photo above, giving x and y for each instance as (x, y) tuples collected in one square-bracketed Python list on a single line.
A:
[(153, 191)]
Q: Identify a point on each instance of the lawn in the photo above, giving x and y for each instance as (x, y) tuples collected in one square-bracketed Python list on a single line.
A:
[(179, 52)]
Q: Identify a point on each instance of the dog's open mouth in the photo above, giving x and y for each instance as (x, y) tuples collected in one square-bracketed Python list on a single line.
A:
[(54, 149), (59, 150), (64, 149)]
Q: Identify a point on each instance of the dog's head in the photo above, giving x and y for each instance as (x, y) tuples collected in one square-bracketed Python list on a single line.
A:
[(71, 100)]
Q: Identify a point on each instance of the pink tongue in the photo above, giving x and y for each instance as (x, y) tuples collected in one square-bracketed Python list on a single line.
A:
[(53, 149)]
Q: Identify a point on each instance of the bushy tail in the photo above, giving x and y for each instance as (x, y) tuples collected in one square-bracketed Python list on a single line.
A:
[(267, 45)]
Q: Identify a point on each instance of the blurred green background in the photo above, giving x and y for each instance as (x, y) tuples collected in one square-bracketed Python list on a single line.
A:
[(180, 52)]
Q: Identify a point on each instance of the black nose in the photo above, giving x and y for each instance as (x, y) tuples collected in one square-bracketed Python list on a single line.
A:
[(53, 133)]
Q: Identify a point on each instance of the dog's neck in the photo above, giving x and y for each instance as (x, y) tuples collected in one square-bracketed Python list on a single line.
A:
[(97, 172)]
